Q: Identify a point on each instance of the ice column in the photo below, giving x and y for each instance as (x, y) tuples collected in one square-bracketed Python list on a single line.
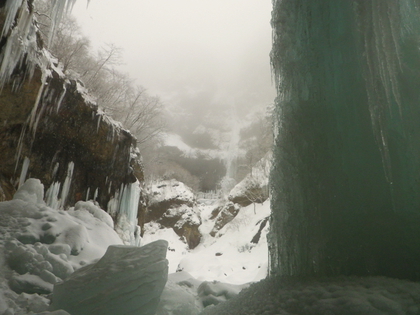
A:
[(346, 169), (126, 226)]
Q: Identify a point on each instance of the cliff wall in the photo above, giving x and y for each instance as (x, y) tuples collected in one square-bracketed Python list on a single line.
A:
[(51, 130)]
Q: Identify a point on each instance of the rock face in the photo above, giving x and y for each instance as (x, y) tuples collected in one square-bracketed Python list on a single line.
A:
[(171, 204), (49, 129), (126, 280)]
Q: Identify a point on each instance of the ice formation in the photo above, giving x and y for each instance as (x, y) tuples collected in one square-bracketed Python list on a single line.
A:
[(127, 203), (126, 280), (345, 172)]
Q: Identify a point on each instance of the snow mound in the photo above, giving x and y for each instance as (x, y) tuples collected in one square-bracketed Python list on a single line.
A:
[(180, 296), (335, 296), (126, 280), (95, 211), (40, 246), (185, 295)]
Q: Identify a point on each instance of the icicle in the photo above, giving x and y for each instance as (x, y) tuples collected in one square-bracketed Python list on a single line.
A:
[(95, 195), (20, 145), (87, 193), (33, 115), (24, 171), (57, 9), (54, 172), (51, 197), (99, 123), (20, 40), (66, 186), (39, 114), (12, 6)]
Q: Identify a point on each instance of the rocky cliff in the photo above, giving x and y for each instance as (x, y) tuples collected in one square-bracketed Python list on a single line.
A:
[(50, 129)]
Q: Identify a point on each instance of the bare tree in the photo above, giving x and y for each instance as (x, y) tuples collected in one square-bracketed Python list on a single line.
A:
[(114, 91)]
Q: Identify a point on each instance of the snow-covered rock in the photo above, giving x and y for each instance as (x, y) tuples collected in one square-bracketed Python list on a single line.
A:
[(172, 204), (254, 187), (168, 191), (227, 213), (126, 280)]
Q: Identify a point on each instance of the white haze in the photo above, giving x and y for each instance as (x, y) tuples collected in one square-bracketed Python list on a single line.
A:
[(188, 46)]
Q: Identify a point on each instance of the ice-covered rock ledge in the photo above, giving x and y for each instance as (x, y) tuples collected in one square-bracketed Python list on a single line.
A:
[(50, 128)]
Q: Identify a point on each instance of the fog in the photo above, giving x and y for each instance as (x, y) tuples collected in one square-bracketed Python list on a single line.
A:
[(177, 49)]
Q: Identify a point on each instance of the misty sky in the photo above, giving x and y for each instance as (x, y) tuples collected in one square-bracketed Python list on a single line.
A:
[(188, 45)]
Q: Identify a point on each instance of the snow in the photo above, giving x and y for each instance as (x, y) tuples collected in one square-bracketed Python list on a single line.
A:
[(177, 249), (335, 296), (126, 280), (229, 257), (41, 246), (180, 296), (169, 190)]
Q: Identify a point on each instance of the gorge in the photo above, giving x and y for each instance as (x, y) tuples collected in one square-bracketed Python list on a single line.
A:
[(345, 173)]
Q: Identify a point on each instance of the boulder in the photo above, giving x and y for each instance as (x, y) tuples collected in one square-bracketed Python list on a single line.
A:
[(172, 204), (126, 280)]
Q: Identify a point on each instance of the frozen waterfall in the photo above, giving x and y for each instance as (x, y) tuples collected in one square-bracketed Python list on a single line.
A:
[(346, 173)]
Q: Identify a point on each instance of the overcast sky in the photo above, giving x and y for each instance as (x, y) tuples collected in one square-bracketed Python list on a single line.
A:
[(187, 44)]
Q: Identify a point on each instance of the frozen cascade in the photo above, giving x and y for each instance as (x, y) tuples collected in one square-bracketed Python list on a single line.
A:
[(24, 171), (345, 176), (231, 153), (128, 202)]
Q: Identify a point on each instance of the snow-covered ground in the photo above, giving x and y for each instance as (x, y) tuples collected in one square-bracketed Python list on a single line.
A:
[(41, 246), (229, 256)]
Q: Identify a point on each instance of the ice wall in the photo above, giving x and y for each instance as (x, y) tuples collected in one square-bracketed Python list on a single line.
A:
[(346, 173)]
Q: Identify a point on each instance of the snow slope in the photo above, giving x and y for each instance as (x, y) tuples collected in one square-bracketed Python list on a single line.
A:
[(229, 257)]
